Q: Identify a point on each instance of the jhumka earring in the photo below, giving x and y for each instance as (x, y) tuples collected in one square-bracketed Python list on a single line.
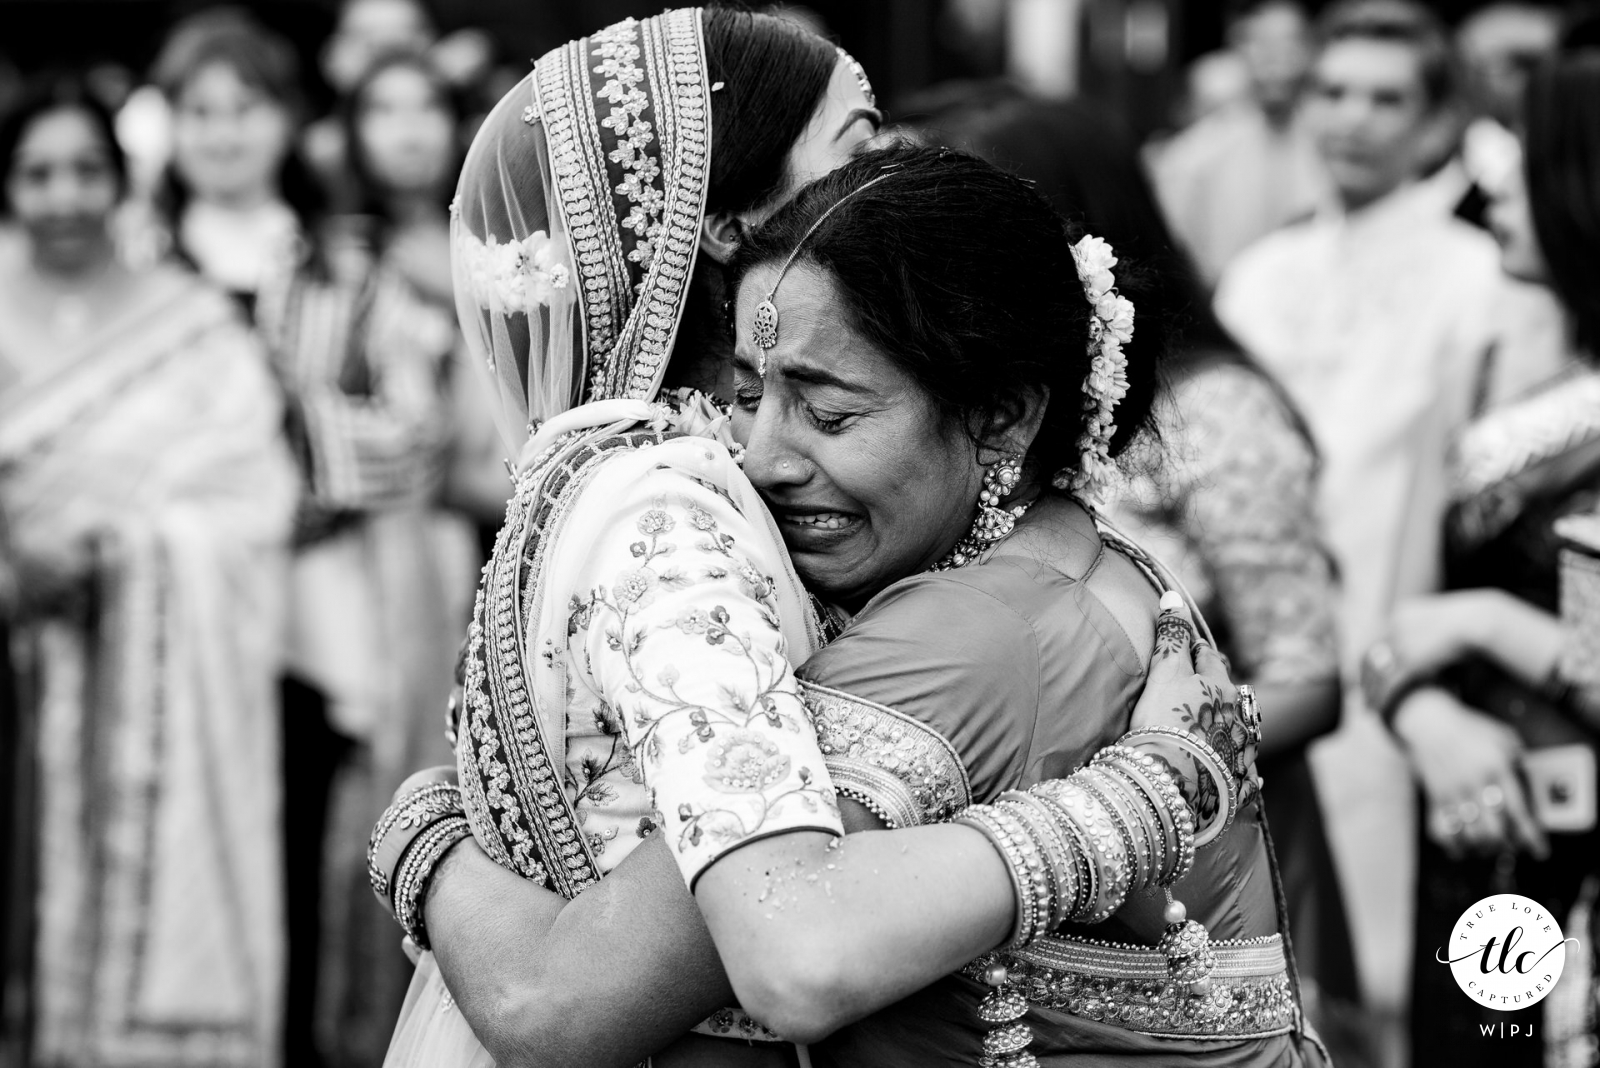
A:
[(993, 522)]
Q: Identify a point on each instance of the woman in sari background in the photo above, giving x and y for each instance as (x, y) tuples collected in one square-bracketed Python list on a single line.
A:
[(711, 596), (1473, 680), (146, 497), (383, 570)]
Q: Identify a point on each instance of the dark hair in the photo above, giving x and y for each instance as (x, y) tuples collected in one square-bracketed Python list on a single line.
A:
[(773, 74), (1398, 22), (51, 92), (754, 123), (369, 191), (263, 60), (1562, 157), (963, 276), (1091, 174)]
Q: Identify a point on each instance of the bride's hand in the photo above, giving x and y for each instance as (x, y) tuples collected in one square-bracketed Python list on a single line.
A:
[(1188, 689)]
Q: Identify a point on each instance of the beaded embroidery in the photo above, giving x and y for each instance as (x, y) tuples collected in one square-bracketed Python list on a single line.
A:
[(900, 768), (502, 755), (1129, 987), (1503, 444), (627, 115)]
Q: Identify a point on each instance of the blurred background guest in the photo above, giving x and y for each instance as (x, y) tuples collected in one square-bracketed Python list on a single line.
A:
[(383, 572), (403, 124), (147, 497), (237, 199), (1248, 167), (1227, 498), (1471, 676)]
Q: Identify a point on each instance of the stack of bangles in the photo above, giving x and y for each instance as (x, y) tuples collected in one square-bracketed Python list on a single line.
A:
[(1077, 847), (415, 832)]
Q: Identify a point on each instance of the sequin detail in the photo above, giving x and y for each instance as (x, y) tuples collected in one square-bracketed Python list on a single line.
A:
[(1128, 986), (628, 115), (897, 766)]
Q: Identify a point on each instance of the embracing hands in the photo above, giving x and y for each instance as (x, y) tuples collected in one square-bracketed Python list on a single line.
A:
[(1188, 689)]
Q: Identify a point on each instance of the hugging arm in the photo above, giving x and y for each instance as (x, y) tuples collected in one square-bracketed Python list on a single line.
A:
[(629, 965), (679, 637)]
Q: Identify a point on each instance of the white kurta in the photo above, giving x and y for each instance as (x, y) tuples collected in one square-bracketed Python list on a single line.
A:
[(1378, 324)]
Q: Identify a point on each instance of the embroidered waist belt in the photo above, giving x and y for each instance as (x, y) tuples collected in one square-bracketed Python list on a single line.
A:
[(1128, 986)]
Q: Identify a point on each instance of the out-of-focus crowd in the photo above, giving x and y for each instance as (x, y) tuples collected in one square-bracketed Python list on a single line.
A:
[(246, 482)]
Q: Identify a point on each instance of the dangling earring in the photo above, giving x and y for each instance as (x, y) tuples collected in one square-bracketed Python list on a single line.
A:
[(993, 522)]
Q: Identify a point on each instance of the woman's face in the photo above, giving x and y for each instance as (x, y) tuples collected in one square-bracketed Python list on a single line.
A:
[(868, 483), (62, 187), (1511, 221), (406, 132), (229, 138), (845, 120)]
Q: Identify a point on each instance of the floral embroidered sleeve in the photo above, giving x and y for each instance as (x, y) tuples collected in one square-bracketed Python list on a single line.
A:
[(677, 632), (1243, 483)]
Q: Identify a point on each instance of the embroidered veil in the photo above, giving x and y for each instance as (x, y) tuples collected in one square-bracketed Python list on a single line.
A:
[(587, 179)]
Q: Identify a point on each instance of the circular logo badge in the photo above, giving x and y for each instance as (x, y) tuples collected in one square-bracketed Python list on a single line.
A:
[(1506, 952)]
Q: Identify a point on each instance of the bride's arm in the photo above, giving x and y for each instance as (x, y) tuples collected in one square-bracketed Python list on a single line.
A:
[(606, 979)]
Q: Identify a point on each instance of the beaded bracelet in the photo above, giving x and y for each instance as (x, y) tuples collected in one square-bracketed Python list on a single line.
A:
[(400, 823), (1055, 848), (1114, 857), (1125, 764), (1036, 856), (416, 872), (1209, 761), (1079, 846), (1101, 845), (986, 820), (1161, 784), (1106, 788)]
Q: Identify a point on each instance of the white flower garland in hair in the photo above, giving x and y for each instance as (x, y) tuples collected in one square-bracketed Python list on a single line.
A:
[(1110, 328)]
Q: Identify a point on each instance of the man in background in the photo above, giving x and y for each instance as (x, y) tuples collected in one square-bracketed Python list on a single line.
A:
[(1246, 169)]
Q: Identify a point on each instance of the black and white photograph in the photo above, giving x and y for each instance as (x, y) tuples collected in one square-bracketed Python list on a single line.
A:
[(844, 534)]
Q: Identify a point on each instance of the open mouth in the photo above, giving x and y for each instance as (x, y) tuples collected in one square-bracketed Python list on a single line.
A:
[(805, 526)]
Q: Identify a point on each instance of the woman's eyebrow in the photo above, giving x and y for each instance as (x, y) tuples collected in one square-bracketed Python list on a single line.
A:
[(818, 376), (872, 115)]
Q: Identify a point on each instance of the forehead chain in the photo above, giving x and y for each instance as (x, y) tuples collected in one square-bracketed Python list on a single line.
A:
[(765, 326)]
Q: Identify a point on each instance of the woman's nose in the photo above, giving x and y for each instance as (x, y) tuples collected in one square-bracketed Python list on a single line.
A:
[(770, 462)]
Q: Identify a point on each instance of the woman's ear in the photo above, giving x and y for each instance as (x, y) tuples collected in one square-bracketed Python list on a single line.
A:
[(1014, 424), (720, 235)]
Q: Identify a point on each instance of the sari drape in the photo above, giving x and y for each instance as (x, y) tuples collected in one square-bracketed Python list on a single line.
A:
[(158, 923)]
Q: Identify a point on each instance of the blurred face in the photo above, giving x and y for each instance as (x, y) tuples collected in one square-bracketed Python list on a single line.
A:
[(407, 135), (867, 482), (845, 120), (229, 139), (1498, 49), (368, 29), (62, 187), (1369, 113), (1276, 50), (1511, 220)]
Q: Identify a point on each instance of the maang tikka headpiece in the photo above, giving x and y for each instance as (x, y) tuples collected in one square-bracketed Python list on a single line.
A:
[(765, 325)]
